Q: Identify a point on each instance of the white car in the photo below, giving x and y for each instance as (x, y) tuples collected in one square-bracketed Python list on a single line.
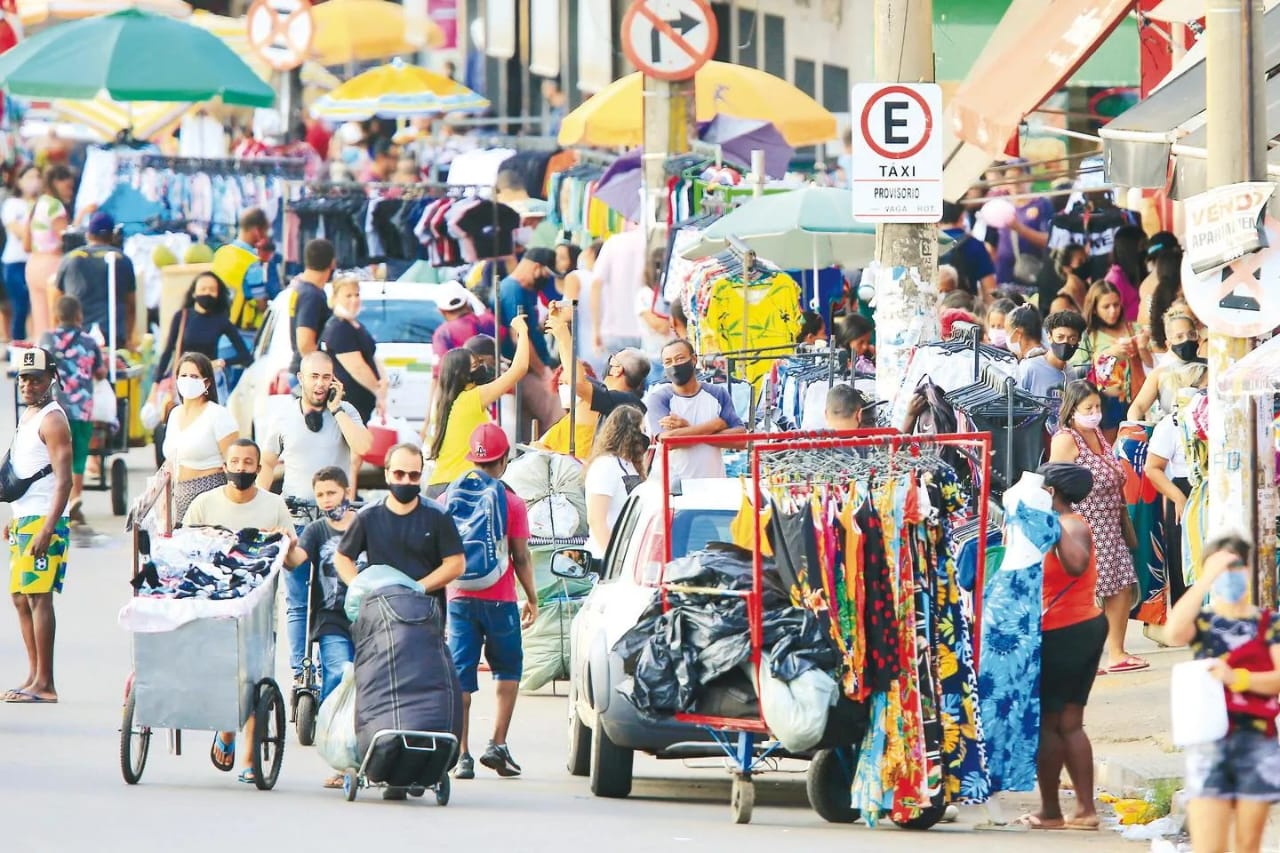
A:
[(401, 316), (604, 728)]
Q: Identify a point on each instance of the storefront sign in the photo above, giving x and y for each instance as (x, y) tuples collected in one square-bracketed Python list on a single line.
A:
[(1225, 223)]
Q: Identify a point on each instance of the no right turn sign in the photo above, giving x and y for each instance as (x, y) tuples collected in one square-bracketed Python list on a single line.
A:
[(897, 152)]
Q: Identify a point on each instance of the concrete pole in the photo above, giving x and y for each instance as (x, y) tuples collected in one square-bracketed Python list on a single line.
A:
[(668, 128), (1237, 149), (906, 304)]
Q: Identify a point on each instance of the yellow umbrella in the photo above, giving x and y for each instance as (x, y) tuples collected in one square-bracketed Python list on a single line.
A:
[(396, 90), (105, 117), (360, 30), (234, 32), (32, 12), (613, 117)]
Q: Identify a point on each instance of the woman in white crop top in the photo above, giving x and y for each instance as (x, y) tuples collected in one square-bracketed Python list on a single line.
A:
[(197, 434)]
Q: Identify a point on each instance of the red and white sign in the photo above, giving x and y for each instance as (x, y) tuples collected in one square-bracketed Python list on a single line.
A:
[(1242, 298), (896, 174), (669, 39), (281, 32)]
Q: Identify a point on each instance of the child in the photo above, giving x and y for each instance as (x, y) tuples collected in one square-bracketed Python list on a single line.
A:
[(996, 333), (1112, 353), (813, 329), (854, 332), (329, 626), (1045, 375), (80, 362)]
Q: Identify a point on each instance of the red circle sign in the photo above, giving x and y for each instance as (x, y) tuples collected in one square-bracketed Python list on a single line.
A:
[(924, 137), (667, 36)]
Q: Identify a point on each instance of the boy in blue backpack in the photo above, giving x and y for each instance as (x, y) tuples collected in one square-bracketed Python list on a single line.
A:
[(493, 524)]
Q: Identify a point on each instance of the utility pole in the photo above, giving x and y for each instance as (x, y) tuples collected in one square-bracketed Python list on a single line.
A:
[(669, 126), (906, 305), (1237, 149)]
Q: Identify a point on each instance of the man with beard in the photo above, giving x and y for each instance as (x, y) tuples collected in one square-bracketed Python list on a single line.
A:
[(318, 430)]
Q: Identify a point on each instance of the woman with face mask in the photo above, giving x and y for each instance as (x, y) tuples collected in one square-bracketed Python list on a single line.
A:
[(1080, 440), (364, 383), (464, 393), (1232, 781), (16, 213), (200, 326), (197, 434), (1184, 346)]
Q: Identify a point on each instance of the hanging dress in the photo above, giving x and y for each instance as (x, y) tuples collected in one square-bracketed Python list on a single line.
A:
[(1193, 421)]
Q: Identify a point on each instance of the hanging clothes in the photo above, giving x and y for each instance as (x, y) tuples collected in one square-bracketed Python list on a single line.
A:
[(1194, 421), (749, 310), (1146, 512)]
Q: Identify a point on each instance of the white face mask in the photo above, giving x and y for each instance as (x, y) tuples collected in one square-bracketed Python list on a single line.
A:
[(191, 387), (342, 313)]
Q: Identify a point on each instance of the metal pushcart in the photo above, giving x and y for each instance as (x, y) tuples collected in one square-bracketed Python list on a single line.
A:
[(232, 684)]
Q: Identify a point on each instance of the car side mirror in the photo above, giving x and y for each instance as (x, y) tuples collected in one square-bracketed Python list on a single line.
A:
[(571, 564)]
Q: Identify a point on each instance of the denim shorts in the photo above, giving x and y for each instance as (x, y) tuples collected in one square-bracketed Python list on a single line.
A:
[(1244, 765), (475, 623)]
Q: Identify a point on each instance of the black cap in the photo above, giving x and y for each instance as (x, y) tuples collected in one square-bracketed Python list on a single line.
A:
[(541, 257)]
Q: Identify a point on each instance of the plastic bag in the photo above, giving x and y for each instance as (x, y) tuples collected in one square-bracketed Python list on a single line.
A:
[(539, 474), (546, 643), (104, 403), (1198, 704), (336, 724), (797, 712), (373, 578)]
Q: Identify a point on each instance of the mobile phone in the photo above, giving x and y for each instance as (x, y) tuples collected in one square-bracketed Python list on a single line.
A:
[(333, 393)]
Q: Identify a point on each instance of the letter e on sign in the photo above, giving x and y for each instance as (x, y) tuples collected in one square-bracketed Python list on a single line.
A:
[(897, 152)]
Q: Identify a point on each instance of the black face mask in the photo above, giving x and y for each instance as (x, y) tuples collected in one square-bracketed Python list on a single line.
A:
[(206, 302), (404, 492), (314, 420), (1063, 352), (1186, 351), (242, 480), (680, 374), (482, 374)]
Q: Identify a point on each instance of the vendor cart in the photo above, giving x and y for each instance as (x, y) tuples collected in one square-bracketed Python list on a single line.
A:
[(747, 742), (232, 684)]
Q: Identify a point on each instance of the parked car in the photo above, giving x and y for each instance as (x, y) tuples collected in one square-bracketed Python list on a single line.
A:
[(605, 729), (401, 316)]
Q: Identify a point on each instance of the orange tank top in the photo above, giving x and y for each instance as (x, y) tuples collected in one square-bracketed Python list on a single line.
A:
[(1068, 601)]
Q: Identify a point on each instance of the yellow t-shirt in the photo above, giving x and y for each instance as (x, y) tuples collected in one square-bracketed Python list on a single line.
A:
[(556, 439), (467, 414)]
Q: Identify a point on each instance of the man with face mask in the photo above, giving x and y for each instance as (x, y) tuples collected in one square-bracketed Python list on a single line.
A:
[(683, 406), (1044, 375), (39, 459), (518, 294)]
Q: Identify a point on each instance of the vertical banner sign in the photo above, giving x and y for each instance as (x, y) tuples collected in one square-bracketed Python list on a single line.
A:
[(896, 174)]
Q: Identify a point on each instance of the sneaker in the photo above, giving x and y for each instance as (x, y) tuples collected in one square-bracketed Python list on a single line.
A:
[(466, 768), (498, 758)]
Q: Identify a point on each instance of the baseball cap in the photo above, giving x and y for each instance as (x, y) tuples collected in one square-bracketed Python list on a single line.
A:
[(482, 345), (488, 444), (450, 296), (35, 360), (542, 257), (101, 223)]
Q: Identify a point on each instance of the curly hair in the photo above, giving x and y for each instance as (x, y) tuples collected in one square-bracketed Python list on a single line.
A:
[(622, 435)]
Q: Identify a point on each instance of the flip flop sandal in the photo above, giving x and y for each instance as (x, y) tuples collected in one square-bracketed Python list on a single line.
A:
[(1085, 825), (1033, 822), (333, 782), (25, 697), (1130, 664), (226, 750), (246, 776)]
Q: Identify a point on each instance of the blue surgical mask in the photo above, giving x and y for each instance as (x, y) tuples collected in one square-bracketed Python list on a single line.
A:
[(337, 513), (1230, 587)]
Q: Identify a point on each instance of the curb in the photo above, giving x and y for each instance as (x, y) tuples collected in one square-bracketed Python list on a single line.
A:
[(1124, 781)]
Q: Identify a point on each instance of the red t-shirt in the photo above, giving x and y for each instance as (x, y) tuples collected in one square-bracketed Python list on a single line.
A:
[(517, 528)]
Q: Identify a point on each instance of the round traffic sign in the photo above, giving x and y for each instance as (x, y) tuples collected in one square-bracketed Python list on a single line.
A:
[(281, 32), (669, 39), (904, 126), (1241, 298)]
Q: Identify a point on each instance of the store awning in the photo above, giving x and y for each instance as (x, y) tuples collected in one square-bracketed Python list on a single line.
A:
[(993, 100), (1190, 153), (1137, 144), (1256, 373)]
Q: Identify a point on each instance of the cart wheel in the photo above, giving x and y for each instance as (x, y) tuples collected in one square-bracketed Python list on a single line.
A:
[(443, 789), (742, 798), (157, 438), (268, 735), (925, 820), (417, 790), (828, 783), (134, 744), (119, 486), (305, 718), (350, 786)]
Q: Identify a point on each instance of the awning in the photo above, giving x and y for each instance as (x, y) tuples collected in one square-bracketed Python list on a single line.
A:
[(1256, 373), (993, 100), (1190, 153), (1137, 144)]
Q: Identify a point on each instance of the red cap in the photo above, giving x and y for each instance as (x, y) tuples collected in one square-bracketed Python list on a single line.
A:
[(488, 444)]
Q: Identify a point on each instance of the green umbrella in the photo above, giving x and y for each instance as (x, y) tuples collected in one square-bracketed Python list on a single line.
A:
[(134, 56)]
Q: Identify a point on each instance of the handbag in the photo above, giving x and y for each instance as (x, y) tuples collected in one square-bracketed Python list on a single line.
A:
[(13, 487), (1254, 656), (167, 388), (104, 403)]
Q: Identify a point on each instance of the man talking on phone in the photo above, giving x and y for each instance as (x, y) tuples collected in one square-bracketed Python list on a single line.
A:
[(317, 430)]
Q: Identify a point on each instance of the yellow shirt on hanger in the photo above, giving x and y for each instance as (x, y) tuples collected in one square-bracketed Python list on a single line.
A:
[(772, 313)]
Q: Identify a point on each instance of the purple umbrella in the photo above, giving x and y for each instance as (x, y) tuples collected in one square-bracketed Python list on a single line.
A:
[(620, 186), (738, 137)]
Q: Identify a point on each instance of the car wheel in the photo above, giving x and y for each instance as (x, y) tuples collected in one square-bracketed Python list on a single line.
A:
[(610, 765), (579, 759)]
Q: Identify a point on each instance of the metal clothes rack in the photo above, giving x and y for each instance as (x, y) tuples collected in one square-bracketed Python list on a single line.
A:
[(289, 168)]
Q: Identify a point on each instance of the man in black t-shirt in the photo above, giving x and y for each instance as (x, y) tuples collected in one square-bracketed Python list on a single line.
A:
[(405, 532), (308, 305), (625, 372), (83, 274)]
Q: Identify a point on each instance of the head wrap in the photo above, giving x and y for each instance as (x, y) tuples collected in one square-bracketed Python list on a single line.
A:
[(1068, 479)]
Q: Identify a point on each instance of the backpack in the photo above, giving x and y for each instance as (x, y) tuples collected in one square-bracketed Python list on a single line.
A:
[(478, 505), (956, 258)]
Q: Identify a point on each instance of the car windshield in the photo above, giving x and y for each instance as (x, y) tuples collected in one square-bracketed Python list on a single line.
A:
[(692, 529), (400, 320)]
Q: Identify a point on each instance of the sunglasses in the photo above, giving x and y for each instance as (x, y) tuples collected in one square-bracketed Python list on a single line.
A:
[(411, 476)]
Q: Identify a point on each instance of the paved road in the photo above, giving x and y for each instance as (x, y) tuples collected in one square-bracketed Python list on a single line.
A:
[(60, 785)]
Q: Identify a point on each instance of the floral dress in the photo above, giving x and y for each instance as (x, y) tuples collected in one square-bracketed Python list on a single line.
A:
[(1103, 508)]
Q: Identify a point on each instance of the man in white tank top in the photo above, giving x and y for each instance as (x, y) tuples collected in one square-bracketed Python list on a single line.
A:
[(38, 535)]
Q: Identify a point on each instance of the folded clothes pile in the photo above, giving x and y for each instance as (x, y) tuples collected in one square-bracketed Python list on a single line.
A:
[(208, 563)]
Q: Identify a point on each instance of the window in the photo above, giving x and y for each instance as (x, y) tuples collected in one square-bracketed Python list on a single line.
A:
[(835, 88), (616, 552), (748, 38), (806, 77), (724, 19), (775, 45), (400, 320)]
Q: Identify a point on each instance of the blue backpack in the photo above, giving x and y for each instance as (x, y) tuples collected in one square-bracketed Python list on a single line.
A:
[(478, 505)]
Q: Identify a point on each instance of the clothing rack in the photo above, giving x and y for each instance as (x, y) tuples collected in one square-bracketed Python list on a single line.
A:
[(291, 168), (591, 157)]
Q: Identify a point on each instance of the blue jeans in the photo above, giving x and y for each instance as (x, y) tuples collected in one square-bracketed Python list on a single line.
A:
[(296, 588), (335, 650), (15, 285)]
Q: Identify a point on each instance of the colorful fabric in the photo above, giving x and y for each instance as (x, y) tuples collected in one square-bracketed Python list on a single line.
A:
[(1195, 516), (30, 575), (1102, 509), (78, 358), (882, 665), (1146, 511), (770, 310)]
